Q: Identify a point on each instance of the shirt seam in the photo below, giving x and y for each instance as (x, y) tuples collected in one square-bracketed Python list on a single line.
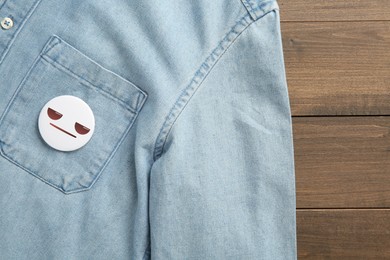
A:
[(257, 8), (204, 70), (147, 253), (197, 80)]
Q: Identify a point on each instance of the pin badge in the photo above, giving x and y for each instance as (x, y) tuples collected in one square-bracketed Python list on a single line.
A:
[(66, 123)]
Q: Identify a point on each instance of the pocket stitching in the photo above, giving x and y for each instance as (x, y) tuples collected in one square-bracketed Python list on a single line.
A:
[(140, 102), (58, 41), (96, 177), (12, 160), (85, 82), (18, 89)]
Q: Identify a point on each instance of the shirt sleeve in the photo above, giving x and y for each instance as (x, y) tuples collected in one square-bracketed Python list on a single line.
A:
[(224, 185)]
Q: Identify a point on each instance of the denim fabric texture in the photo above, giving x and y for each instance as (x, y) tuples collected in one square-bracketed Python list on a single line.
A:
[(192, 155)]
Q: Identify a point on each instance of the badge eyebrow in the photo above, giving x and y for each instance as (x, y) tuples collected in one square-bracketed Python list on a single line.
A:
[(55, 115), (83, 130)]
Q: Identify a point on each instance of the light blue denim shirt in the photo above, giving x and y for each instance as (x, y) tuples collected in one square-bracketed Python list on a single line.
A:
[(192, 153)]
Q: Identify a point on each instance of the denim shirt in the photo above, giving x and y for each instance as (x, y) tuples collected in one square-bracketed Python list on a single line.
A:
[(192, 153)]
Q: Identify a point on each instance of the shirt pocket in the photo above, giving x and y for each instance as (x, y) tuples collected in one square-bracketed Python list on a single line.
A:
[(60, 69)]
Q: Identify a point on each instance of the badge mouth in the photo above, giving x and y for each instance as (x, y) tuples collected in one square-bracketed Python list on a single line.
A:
[(66, 132)]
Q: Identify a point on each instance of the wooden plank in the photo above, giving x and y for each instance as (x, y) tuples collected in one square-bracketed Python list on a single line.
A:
[(343, 234), (342, 162), (338, 68), (334, 10)]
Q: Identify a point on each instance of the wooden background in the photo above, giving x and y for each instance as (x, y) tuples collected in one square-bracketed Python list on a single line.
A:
[(337, 57)]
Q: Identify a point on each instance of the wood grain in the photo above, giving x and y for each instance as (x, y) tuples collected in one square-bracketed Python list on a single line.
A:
[(338, 68), (342, 162), (337, 58), (334, 10), (343, 234)]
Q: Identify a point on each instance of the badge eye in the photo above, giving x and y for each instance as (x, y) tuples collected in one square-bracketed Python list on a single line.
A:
[(83, 130), (53, 114)]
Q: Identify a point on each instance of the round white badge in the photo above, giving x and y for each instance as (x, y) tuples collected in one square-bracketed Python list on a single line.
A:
[(66, 123)]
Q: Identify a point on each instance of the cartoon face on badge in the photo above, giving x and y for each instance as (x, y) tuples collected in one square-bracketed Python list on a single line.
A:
[(66, 123)]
